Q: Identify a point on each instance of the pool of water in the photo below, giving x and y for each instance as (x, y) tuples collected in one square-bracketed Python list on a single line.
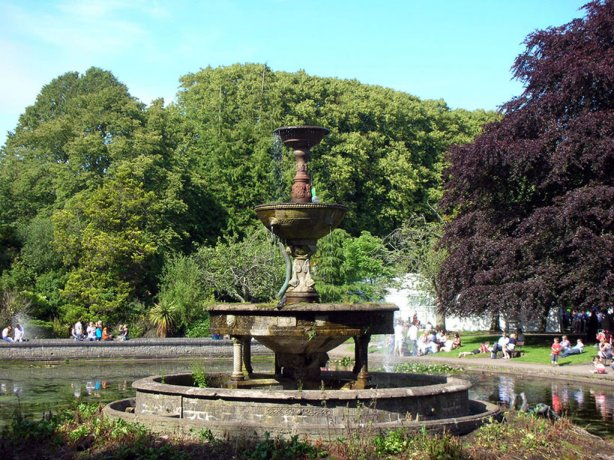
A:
[(34, 388)]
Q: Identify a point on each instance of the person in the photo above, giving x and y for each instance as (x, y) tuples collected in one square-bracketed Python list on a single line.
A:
[(78, 331), (605, 349), (398, 338), (577, 349), (555, 350), (565, 343), (519, 338), (452, 344), (484, 348), (99, 331), (598, 366), (424, 344), (6, 334), (500, 345), (412, 336), (19, 333), (123, 332), (105, 334), (510, 347), (415, 321), (91, 331)]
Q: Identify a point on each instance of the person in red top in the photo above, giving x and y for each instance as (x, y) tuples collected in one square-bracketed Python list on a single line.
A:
[(556, 351)]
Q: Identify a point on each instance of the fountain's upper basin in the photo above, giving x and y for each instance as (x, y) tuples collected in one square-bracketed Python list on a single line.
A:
[(301, 221), (301, 137)]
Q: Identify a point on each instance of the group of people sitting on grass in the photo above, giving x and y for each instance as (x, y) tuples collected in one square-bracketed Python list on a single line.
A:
[(18, 334), (409, 340), (97, 332), (506, 345)]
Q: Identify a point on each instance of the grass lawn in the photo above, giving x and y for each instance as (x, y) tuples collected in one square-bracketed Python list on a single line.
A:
[(536, 349)]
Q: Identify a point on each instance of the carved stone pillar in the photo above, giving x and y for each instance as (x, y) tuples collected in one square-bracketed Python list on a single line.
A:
[(237, 359), (301, 287)]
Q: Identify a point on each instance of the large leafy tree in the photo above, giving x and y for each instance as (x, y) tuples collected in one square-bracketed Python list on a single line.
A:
[(383, 157), (532, 196), (95, 191)]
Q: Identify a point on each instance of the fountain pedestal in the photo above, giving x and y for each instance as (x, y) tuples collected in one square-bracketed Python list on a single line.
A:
[(300, 335)]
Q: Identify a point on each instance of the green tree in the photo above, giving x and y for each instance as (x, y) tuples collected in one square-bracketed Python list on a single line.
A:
[(250, 269), (181, 285), (415, 248), (351, 269)]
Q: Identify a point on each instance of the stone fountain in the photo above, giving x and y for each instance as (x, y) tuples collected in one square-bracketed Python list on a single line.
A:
[(300, 397)]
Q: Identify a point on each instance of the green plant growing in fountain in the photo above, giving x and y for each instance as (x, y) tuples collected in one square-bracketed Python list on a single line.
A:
[(311, 332), (199, 377)]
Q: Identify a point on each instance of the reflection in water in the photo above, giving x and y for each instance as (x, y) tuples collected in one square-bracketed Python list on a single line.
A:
[(584, 405), (35, 389)]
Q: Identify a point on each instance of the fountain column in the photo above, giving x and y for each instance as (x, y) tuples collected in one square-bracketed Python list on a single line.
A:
[(361, 356), (237, 359), (247, 354)]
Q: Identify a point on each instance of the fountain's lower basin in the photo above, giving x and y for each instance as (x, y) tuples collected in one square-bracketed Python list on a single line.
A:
[(265, 404)]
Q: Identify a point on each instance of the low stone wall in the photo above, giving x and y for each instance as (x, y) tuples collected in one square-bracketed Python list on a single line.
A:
[(61, 349)]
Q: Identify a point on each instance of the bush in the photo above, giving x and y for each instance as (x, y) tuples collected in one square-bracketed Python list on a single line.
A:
[(199, 328)]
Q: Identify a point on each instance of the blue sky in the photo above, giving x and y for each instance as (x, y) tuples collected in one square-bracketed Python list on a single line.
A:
[(457, 50)]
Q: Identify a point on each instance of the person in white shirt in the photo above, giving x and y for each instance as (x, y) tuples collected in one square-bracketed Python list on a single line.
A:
[(500, 345), (91, 332), (6, 334), (19, 333), (78, 331), (577, 349)]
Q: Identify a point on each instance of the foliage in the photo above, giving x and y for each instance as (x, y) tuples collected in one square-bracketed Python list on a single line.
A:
[(181, 285), (532, 196), (100, 194), (164, 316), (250, 269), (426, 368), (279, 449), (11, 305), (199, 376), (351, 269), (382, 158), (444, 447), (415, 249), (199, 328), (82, 432)]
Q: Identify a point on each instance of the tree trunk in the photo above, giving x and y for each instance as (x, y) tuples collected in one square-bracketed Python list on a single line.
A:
[(494, 323), (440, 318)]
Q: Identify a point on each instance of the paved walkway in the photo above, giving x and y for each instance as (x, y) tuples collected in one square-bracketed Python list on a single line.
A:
[(571, 372)]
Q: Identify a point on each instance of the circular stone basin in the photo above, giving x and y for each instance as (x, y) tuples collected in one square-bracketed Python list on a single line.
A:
[(301, 221), (171, 404), (303, 327)]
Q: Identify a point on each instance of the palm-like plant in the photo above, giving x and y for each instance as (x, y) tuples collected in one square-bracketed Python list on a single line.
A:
[(164, 316)]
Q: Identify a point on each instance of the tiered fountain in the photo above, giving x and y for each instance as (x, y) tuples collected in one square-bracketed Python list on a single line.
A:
[(299, 397)]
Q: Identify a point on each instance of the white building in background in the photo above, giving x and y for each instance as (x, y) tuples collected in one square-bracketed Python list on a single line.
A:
[(411, 299)]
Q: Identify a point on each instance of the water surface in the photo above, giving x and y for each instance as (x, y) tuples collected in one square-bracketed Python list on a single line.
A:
[(34, 388)]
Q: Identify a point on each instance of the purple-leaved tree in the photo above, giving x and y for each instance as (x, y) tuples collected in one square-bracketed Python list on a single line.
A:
[(533, 196)]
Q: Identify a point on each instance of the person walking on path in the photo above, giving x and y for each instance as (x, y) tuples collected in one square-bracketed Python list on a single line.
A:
[(555, 352)]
